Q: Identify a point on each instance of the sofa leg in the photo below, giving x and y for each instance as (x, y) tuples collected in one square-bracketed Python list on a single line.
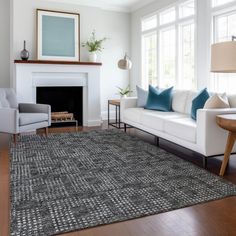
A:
[(46, 131), (125, 127), (157, 141), (15, 138), (204, 162)]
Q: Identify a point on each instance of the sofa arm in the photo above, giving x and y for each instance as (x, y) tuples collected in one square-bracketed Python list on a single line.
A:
[(34, 108), (211, 139), (9, 120), (125, 103)]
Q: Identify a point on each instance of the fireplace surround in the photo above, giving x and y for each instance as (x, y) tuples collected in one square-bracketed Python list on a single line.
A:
[(31, 75)]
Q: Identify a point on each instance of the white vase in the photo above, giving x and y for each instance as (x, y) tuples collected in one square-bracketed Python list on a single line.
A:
[(93, 57)]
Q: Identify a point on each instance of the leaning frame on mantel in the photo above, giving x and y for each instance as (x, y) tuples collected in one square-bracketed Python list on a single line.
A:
[(62, 12)]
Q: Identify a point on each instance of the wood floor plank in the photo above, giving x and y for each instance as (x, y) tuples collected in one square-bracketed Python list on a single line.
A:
[(4, 192), (217, 218)]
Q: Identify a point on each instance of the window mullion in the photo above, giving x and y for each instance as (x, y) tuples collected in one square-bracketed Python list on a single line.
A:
[(177, 51)]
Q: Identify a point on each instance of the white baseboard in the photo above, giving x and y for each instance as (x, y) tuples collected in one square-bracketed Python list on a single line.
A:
[(93, 123)]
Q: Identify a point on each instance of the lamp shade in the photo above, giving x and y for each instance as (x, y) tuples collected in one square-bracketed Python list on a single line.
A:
[(223, 57), (125, 63)]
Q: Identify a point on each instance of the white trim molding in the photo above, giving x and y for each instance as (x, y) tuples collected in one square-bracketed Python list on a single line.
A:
[(108, 5)]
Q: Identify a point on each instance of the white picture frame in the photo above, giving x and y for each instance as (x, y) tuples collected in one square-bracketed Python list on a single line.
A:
[(58, 36)]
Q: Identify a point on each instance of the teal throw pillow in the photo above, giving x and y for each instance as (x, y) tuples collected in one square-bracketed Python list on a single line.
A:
[(199, 102), (160, 100)]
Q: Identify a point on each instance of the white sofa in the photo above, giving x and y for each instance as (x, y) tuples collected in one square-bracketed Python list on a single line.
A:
[(203, 136)]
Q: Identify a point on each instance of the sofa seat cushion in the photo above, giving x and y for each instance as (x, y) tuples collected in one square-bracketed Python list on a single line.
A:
[(156, 119), (183, 128), (133, 114), (32, 118)]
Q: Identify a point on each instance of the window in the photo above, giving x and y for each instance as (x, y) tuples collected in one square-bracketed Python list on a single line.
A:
[(149, 51), (167, 16), (224, 28), (216, 3), (187, 56), (168, 47), (149, 23), (186, 9), (150, 58), (167, 57)]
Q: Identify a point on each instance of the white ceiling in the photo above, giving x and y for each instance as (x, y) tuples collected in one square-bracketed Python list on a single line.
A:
[(115, 5)]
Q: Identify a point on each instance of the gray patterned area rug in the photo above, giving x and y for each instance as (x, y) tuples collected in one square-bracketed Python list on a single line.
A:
[(73, 181)]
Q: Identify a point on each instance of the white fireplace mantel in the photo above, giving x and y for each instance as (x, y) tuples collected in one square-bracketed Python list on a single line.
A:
[(30, 75)]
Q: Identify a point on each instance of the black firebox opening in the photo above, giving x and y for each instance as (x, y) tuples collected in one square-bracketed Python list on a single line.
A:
[(63, 99)]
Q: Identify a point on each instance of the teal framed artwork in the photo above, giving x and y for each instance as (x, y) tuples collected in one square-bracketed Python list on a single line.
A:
[(58, 35)]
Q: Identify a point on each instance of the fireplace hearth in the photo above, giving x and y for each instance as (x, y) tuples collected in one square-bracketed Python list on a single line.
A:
[(66, 103)]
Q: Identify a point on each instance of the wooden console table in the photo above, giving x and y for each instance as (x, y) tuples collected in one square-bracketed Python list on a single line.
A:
[(227, 122)]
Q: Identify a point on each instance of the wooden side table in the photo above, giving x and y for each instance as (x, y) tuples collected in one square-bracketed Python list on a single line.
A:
[(227, 122), (116, 103)]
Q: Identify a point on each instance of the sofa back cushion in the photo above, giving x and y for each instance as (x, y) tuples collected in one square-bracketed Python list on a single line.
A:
[(182, 101), (189, 101), (232, 101), (179, 100), (8, 98)]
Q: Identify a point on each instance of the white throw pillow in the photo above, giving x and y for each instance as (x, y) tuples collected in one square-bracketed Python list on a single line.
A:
[(217, 102)]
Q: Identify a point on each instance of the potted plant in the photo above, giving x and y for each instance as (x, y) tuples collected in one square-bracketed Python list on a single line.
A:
[(124, 92), (93, 45)]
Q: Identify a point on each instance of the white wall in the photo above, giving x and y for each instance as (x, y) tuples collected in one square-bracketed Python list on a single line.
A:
[(4, 43), (203, 24), (114, 25)]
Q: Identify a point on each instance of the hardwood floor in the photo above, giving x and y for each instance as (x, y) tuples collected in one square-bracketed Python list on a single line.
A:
[(217, 218)]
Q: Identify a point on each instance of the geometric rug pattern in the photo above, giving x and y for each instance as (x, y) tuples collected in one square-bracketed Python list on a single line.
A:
[(73, 181)]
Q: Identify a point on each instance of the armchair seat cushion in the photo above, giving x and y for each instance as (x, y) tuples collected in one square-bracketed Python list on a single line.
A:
[(32, 118)]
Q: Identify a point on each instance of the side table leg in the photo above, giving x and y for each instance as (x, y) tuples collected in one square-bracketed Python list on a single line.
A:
[(108, 110), (116, 116), (228, 150), (119, 118)]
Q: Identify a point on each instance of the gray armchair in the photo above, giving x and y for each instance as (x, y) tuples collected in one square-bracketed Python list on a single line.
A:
[(17, 118)]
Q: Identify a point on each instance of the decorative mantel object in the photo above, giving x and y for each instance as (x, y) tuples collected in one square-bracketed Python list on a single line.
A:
[(58, 35), (24, 53), (94, 46)]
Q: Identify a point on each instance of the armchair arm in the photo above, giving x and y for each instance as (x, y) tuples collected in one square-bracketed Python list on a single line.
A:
[(9, 120), (125, 103), (34, 108), (211, 139)]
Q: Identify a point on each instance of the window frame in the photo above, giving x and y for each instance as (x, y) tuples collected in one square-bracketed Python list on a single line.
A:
[(179, 21), (215, 12)]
